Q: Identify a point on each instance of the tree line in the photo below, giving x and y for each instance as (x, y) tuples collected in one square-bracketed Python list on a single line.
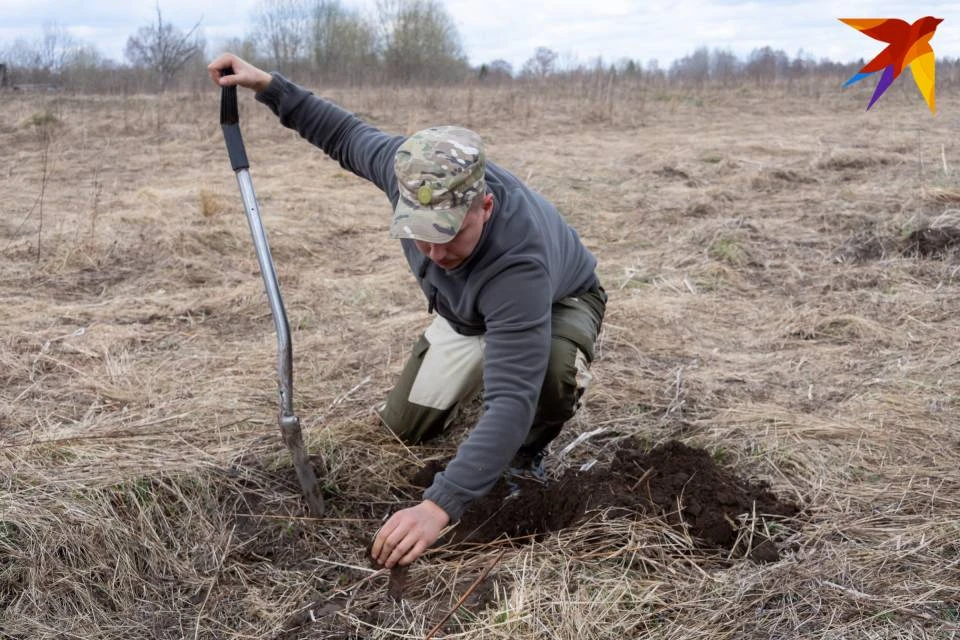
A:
[(401, 42)]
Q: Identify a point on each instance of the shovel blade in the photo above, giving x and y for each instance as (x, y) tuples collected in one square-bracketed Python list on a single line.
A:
[(293, 438)]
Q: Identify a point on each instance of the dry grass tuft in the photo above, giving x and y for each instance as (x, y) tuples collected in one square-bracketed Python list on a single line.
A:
[(40, 120), (942, 196), (764, 304), (853, 160), (212, 204)]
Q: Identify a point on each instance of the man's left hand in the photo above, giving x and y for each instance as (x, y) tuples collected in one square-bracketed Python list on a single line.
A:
[(408, 533)]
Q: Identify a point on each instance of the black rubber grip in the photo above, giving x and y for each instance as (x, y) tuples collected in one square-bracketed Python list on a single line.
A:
[(229, 113), (230, 123), (238, 155)]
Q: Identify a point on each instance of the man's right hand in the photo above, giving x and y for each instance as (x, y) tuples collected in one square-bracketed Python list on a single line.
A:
[(244, 74)]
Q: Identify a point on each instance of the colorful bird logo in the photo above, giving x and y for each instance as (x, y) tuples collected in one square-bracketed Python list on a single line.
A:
[(907, 44)]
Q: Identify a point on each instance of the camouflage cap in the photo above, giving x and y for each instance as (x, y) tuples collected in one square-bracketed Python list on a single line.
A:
[(439, 171)]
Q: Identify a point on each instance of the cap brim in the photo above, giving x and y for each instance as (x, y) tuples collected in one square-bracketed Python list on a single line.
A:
[(415, 223)]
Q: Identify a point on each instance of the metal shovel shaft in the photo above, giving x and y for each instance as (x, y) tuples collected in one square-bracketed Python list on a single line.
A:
[(289, 423), (265, 259)]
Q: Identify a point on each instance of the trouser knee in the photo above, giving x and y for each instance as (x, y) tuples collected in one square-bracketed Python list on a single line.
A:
[(566, 380), (561, 391), (443, 369)]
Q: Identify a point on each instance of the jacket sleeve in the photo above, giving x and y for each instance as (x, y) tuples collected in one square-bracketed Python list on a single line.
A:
[(517, 307), (356, 145)]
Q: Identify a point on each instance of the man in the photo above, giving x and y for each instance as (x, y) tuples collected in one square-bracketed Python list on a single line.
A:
[(518, 303)]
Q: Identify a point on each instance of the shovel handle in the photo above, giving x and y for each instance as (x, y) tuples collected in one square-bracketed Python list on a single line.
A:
[(230, 123), (229, 113)]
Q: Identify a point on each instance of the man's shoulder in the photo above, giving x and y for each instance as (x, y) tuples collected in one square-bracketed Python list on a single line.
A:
[(497, 175)]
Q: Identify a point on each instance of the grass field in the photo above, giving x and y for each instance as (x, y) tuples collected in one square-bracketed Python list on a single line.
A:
[(783, 294)]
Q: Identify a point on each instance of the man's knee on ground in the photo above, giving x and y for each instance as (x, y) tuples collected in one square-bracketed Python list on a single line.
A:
[(414, 424)]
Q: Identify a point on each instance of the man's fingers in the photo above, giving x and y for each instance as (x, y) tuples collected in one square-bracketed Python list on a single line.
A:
[(397, 541), (400, 551), (226, 81), (221, 63), (244, 74), (214, 74), (386, 539), (378, 540), (414, 553), (396, 536), (407, 534)]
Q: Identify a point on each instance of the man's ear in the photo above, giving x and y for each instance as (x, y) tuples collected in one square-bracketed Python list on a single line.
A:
[(487, 206)]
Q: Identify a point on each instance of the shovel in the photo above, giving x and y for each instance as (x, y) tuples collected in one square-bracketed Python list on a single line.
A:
[(289, 422)]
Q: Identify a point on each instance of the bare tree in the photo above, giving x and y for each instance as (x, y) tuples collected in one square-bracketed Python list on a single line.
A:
[(164, 48), (541, 64), (765, 65), (52, 59), (343, 43), (282, 31), (802, 64), (501, 67), (47, 54), (21, 54), (498, 70), (692, 69), (55, 47), (420, 41), (245, 47)]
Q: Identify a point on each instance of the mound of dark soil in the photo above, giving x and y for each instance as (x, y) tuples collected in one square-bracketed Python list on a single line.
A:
[(929, 242), (681, 484), (932, 242)]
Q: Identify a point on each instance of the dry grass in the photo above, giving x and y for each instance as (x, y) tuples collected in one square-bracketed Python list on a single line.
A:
[(762, 305)]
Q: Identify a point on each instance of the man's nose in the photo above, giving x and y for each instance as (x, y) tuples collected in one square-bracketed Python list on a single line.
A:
[(437, 252)]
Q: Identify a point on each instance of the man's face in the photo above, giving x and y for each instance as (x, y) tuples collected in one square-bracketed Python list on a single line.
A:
[(451, 255)]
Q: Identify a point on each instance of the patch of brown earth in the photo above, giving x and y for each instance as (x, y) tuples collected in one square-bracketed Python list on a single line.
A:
[(681, 484), (932, 242)]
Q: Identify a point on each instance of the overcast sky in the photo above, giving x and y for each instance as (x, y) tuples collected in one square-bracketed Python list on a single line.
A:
[(511, 29)]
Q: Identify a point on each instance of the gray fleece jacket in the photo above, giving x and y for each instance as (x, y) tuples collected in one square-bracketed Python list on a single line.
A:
[(527, 259)]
